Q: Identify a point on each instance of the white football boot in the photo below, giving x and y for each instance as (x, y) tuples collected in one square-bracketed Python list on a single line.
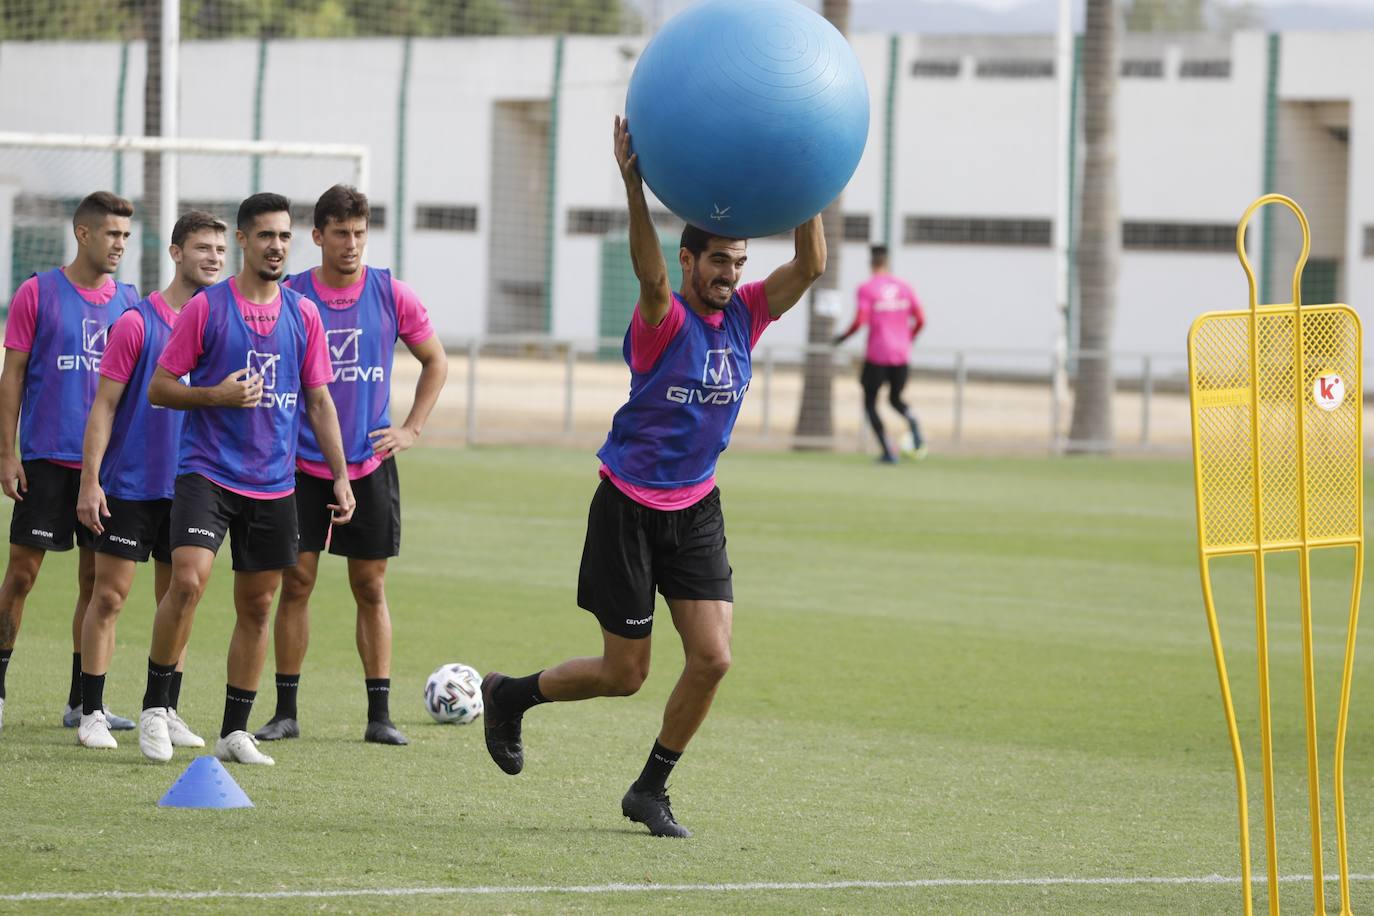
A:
[(94, 732), (180, 732), (241, 747), (153, 738)]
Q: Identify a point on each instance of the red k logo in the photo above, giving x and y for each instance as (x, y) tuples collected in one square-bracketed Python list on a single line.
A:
[(1328, 390)]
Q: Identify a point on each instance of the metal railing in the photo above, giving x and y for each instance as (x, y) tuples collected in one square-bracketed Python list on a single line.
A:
[(523, 388)]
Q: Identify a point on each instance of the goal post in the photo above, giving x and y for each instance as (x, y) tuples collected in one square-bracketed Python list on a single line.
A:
[(44, 175)]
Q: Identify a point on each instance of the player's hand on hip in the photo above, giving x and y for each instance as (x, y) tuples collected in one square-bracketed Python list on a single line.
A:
[(91, 508), (12, 478), (341, 510), (392, 439), (240, 388)]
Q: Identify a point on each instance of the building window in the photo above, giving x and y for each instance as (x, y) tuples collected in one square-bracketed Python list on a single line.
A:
[(599, 221), (1369, 241), (302, 214), (596, 222), (1178, 236), (446, 217), (1150, 69), (936, 69), (1205, 69), (975, 230), (1018, 69), (857, 227)]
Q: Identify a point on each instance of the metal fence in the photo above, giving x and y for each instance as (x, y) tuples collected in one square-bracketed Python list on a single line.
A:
[(544, 390)]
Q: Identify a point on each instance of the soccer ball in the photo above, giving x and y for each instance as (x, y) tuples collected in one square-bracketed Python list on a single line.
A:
[(453, 694)]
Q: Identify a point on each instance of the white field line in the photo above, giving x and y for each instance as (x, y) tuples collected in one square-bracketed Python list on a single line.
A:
[(915, 884)]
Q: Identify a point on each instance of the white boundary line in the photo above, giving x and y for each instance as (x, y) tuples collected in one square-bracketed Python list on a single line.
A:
[(916, 884)]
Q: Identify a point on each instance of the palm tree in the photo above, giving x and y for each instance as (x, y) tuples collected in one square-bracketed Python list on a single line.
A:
[(815, 420), (1099, 244)]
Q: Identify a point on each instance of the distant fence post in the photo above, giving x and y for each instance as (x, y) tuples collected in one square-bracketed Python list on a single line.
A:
[(569, 371), (474, 347), (1147, 389), (960, 384)]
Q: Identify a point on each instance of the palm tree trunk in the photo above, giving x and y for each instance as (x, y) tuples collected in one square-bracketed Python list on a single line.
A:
[(815, 419), (1099, 247)]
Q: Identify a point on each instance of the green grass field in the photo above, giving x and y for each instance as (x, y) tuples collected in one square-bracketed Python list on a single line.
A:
[(969, 673)]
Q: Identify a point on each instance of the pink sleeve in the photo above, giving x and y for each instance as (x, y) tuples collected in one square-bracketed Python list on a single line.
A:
[(187, 342), (759, 319), (316, 370), (412, 321), (23, 317), (124, 348), (647, 342)]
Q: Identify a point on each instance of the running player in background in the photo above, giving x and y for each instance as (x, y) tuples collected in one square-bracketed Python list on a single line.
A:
[(253, 349), (364, 310), (55, 336), (894, 317), (129, 470), (656, 519)]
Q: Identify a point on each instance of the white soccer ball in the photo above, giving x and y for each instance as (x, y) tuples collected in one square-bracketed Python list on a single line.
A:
[(453, 694)]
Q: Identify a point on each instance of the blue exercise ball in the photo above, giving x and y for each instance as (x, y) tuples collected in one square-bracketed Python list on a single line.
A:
[(748, 116)]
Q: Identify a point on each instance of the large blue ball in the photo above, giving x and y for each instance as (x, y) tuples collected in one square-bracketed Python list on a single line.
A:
[(748, 116)]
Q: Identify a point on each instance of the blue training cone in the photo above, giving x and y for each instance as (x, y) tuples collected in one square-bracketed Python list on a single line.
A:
[(205, 784)]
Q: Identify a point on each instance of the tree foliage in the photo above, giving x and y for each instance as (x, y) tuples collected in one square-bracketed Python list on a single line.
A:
[(106, 20)]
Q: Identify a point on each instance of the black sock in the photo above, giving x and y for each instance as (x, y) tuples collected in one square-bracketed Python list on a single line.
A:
[(517, 694), (237, 705), (654, 776), (174, 692), (159, 684), (74, 691), (92, 693), (378, 699), (287, 685), (4, 666)]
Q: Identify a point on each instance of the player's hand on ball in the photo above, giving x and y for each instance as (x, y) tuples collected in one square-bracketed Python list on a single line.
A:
[(341, 510), (387, 442), (240, 388), (628, 161)]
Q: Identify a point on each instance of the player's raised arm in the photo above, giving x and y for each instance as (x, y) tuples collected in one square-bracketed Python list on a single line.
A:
[(655, 294), (786, 285)]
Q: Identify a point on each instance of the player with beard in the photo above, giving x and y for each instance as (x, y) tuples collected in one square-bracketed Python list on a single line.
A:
[(365, 311), (54, 338), (253, 350), (656, 520), (129, 468)]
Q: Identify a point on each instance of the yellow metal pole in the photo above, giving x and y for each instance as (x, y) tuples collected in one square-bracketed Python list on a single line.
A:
[(1242, 799)]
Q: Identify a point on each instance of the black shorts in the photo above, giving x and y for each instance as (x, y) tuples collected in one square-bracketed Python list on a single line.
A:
[(874, 376), (631, 548), (136, 529), (262, 532), (374, 532), (46, 517)]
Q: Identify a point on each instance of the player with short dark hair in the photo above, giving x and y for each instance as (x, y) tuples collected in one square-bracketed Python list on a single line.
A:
[(253, 350), (889, 307), (656, 519), (129, 469), (365, 311), (54, 339)]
